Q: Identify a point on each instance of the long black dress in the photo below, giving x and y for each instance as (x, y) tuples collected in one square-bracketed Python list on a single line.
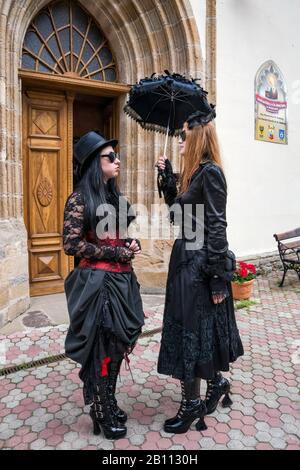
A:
[(105, 306), (199, 337)]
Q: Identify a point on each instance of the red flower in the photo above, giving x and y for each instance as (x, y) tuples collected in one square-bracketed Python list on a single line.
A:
[(252, 268), (243, 264), (243, 272)]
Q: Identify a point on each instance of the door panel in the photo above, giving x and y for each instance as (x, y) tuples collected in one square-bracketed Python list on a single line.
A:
[(47, 183)]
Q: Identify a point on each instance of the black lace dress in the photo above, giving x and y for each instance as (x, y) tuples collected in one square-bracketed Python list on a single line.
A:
[(103, 297), (199, 337)]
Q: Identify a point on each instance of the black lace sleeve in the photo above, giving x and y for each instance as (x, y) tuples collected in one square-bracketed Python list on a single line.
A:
[(74, 241), (168, 184)]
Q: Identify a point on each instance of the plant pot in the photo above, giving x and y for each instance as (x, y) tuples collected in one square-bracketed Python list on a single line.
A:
[(243, 290)]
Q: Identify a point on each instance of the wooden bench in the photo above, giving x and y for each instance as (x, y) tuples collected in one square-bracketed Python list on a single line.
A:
[(289, 252)]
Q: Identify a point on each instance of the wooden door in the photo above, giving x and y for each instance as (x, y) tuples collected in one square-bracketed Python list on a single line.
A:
[(47, 153)]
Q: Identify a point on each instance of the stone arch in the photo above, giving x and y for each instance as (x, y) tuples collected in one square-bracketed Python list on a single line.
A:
[(145, 37)]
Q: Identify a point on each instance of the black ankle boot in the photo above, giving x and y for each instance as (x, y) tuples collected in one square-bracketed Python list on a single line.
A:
[(102, 414), (114, 368), (190, 410), (215, 389)]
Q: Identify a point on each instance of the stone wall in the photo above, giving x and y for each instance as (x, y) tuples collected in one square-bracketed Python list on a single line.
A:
[(14, 289)]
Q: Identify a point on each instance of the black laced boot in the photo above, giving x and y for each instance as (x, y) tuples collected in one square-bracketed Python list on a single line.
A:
[(191, 408), (114, 368), (215, 389), (102, 414)]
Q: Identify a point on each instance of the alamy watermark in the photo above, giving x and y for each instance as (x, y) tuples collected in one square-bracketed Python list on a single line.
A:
[(161, 222)]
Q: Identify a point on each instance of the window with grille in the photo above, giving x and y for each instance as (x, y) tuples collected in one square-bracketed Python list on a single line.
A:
[(63, 39)]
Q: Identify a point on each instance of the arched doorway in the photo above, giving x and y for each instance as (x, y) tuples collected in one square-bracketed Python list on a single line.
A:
[(69, 86)]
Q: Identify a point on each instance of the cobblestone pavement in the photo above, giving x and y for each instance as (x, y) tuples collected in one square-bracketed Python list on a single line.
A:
[(42, 407)]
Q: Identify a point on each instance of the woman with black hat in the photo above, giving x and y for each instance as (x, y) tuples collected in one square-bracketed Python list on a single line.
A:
[(104, 302), (200, 337)]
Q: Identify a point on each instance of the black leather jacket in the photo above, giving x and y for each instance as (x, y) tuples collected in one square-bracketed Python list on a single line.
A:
[(208, 187)]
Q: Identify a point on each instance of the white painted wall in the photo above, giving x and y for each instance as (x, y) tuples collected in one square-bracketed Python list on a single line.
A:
[(263, 178)]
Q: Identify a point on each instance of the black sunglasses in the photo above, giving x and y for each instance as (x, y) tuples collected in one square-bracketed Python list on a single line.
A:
[(112, 156), (182, 135)]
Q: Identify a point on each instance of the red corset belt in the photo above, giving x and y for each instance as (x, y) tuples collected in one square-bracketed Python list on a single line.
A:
[(112, 266), (106, 265)]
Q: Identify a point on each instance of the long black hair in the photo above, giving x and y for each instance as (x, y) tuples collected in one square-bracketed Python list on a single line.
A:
[(96, 192)]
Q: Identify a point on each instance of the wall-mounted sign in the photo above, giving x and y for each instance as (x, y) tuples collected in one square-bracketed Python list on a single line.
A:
[(270, 104)]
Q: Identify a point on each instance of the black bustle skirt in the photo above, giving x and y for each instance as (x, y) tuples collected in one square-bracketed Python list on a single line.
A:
[(106, 318), (199, 337)]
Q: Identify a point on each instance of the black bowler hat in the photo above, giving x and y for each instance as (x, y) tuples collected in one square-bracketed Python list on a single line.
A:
[(89, 143)]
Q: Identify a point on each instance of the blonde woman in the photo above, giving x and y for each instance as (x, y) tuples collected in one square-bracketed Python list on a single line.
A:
[(200, 336)]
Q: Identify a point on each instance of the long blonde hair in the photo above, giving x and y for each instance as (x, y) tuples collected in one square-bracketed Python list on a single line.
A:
[(200, 140)]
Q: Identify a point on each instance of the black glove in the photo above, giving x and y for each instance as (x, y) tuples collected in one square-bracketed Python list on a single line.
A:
[(167, 183), (123, 254), (218, 286)]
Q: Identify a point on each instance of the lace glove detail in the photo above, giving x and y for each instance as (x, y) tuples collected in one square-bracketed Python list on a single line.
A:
[(218, 286), (123, 254)]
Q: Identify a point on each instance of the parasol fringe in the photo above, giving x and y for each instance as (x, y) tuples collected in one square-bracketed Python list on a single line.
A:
[(149, 127)]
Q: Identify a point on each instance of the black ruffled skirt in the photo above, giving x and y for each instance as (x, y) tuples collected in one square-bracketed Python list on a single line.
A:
[(199, 337), (106, 318)]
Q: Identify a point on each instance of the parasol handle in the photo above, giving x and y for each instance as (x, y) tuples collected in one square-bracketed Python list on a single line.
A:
[(168, 128), (166, 142), (161, 173)]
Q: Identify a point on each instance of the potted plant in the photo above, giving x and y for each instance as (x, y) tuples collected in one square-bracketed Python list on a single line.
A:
[(242, 281)]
